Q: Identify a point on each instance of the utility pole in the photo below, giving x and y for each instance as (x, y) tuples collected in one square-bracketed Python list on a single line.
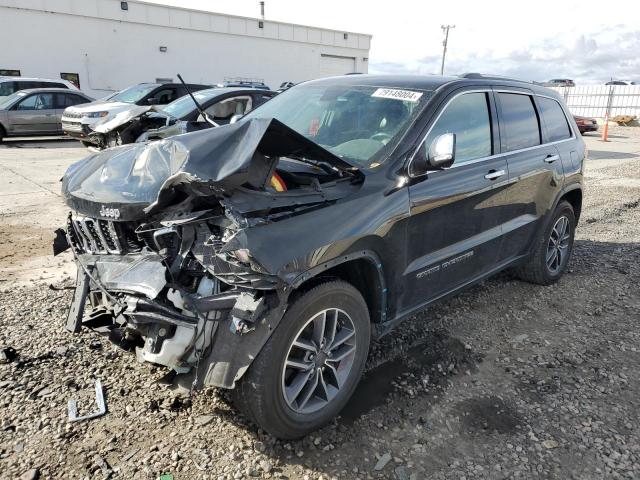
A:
[(445, 29), (262, 10)]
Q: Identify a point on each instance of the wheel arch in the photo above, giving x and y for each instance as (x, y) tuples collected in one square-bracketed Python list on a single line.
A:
[(362, 269), (574, 196)]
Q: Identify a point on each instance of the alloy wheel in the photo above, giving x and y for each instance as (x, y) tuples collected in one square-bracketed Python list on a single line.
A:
[(558, 245), (319, 361)]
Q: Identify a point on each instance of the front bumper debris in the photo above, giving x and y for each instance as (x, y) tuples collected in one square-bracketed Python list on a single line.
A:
[(128, 299)]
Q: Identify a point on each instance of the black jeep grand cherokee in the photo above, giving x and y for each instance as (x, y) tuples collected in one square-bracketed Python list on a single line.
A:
[(264, 255)]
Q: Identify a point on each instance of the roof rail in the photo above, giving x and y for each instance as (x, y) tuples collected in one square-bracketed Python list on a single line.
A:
[(480, 76)]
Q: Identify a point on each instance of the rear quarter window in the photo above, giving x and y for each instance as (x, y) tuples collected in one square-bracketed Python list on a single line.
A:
[(520, 121), (554, 119)]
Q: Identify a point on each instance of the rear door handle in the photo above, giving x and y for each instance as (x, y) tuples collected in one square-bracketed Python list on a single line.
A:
[(494, 174), (551, 158)]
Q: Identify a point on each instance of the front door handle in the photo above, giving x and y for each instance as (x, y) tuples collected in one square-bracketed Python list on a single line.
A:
[(492, 175), (551, 158)]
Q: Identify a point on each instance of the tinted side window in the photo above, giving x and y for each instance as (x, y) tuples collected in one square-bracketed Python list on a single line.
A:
[(520, 121), (22, 85), (468, 117), (554, 119), (64, 100), (164, 96), (41, 101), (7, 88)]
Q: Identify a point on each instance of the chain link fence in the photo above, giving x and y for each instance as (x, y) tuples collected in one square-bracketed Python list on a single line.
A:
[(599, 100)]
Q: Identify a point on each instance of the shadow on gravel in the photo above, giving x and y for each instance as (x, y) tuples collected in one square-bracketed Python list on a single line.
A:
[(53, 142), (488, 415), (608, 155), (428, 362)]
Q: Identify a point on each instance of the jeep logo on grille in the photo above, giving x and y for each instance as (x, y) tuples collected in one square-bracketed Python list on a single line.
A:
[(110, 212)]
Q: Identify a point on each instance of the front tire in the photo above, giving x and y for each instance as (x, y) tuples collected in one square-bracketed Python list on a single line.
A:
[(311, 365), (553, 248)]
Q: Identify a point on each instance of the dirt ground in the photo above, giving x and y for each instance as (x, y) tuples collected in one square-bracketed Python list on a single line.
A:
[(506, 380)]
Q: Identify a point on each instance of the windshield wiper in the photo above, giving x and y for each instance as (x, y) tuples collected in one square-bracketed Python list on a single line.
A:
[(326, 166)]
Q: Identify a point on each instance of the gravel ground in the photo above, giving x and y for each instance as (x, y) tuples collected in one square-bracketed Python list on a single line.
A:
[(506, 380)]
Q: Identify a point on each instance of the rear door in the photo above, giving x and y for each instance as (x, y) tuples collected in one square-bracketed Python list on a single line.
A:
[(35, 114), (535, 170), (456, 213), (557, 130)]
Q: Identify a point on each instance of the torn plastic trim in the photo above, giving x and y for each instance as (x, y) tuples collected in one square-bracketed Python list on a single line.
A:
[(109, 124)]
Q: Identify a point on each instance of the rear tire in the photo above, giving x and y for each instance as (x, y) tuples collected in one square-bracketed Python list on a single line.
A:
[(553, 248), (282, 398), (3, 133)]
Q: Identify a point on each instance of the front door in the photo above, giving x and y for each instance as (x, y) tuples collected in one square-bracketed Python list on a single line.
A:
[(457, 213), (36, 114)]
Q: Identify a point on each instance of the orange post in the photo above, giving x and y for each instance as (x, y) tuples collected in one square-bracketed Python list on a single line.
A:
[(605, 130)]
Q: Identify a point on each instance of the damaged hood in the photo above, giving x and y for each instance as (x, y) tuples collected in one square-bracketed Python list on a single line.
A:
[(125, 116), (137, 179)]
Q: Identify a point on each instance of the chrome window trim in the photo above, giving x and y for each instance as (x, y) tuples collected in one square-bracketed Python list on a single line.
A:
[(496, 155)]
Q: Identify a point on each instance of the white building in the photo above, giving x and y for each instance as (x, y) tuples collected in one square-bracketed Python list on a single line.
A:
[(111, 44)]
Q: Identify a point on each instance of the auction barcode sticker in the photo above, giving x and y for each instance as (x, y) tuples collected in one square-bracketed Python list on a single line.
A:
[(406, 95)]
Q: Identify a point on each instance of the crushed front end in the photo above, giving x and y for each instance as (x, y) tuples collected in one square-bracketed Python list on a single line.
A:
[(159, 236), (168, 291)]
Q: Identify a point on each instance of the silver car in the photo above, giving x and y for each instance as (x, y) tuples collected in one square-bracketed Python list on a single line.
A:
[(37, 111)]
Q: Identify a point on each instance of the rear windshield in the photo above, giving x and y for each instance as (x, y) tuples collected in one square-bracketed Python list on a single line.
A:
[(361, 124)]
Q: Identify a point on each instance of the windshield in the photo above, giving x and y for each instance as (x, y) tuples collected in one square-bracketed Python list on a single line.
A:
[(6, 102), (132, 94), (359, 123), (184, 105)]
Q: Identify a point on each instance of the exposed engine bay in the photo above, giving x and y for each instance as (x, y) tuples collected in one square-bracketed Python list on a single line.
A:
[(165, 235)]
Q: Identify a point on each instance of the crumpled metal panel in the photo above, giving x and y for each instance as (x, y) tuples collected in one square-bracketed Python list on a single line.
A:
[(217, 160)]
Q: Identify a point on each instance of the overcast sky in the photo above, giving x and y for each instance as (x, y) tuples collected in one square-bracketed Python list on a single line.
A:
[(589, 41)]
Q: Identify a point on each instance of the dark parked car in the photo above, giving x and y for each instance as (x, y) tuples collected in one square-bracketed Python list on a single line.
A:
[(138, 124), (36, 111), (586, 124), (263, 256)]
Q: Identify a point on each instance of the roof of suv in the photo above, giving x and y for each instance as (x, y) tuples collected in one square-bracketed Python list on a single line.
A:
[(426, 82)]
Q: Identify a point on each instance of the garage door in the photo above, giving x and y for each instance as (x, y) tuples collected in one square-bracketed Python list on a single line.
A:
[(334, 65)]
